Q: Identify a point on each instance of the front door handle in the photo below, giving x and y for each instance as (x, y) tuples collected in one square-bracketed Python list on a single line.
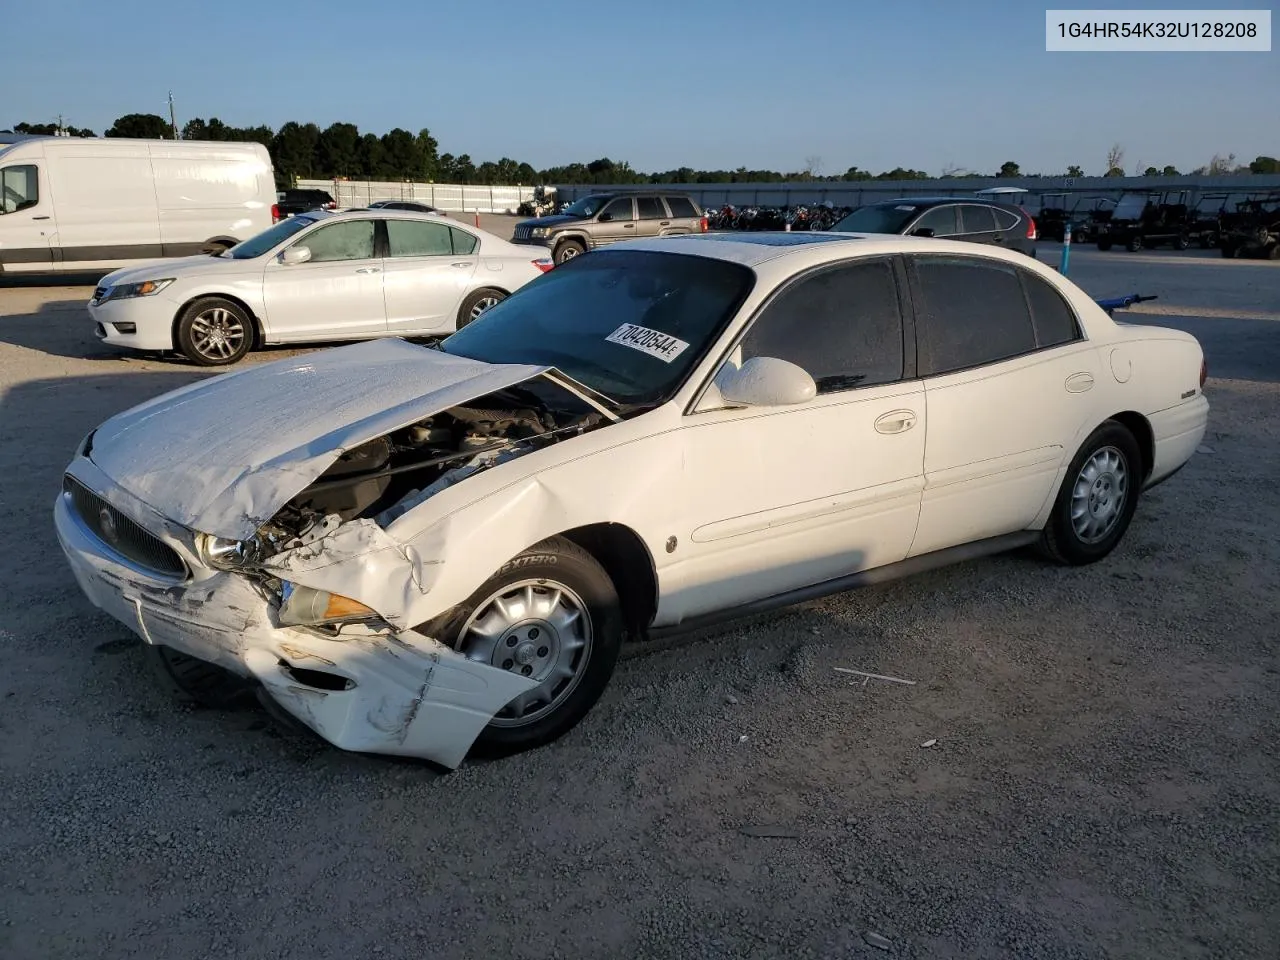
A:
[(369, 270), (1079, 382), (896, 421), (665, 223), (40, 218), (628, 226), (462, 264)]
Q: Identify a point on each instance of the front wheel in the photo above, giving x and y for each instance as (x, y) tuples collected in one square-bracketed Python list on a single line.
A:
[(214, 332), (1097, 499), (1134, 244), (193, 681), (568, 250), (551, 614), (1182, 242)]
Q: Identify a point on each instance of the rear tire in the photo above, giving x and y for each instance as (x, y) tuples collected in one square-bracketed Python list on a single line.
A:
[(1134, 244), (476, 303), (1182, 242), (214, 332), (1097, 498), (554, 609)]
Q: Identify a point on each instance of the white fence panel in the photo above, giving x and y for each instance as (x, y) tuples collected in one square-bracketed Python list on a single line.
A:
[(453, 197)]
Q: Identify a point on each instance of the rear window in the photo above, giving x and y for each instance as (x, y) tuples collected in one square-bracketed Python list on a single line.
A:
[(975, 219), (1006, 219), (681, 207), (650, 208)]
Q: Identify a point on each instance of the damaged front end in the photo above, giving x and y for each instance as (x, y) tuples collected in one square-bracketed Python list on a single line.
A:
[(312, 602)]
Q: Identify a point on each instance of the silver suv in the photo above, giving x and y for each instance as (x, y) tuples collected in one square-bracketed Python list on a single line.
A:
[(603, 218)]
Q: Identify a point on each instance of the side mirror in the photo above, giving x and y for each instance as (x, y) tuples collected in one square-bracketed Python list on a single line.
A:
[(295, 255), (766, 382), (923, 232), (605, 217)]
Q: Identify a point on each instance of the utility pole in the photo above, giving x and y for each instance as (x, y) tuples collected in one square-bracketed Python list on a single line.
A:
[(173, 119)]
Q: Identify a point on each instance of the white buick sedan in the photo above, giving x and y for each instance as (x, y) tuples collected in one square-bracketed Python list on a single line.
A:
[(316, 276), (422, 551)]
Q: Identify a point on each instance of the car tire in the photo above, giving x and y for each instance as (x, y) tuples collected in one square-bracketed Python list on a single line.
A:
[(214, 332), (195, 682), (1273, 251), (516, 604), (567, 250), (1182, 242), (476, 303), (1087, 522), (1134, 244)]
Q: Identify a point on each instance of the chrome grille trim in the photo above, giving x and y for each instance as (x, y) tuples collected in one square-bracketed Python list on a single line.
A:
[(121, 534)]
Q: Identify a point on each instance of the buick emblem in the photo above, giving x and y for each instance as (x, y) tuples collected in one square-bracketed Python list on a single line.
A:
[(108, 523)]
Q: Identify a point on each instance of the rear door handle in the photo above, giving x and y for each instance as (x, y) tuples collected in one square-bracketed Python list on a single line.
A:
[(369, 270), (628, 226), (896, 421), (40, 218), (1079, 382), (461, 264), (665, 223)]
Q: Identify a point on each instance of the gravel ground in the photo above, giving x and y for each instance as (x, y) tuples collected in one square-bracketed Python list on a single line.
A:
[(1103, 782)]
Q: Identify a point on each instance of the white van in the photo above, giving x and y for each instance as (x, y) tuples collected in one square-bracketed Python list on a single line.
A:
[(71, 204)]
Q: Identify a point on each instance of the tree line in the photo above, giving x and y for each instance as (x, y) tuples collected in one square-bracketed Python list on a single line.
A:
[(340, 150)]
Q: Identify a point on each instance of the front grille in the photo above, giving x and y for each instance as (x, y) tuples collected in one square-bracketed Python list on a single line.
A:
[(522, 233), (121, 534)]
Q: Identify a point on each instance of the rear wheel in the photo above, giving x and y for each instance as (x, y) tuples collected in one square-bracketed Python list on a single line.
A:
[(567, 250), (1097, 499), (477, 303), (214, 332), (1182, 242), (551, 614), (1134, 244)]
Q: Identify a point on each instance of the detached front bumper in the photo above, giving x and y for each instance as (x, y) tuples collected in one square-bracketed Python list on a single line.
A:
[(374, 690)]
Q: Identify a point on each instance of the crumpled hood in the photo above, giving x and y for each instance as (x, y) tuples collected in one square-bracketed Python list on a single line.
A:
[(224, 455)]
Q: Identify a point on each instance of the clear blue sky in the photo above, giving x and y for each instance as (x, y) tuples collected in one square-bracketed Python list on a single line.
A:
[(703, 83)]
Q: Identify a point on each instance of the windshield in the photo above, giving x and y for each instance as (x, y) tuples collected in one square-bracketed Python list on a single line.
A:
[(878, 218), (260, 244), (628, 324), (586, 207)]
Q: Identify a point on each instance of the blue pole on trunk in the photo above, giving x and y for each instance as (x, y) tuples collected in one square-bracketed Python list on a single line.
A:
[(1066, 249)]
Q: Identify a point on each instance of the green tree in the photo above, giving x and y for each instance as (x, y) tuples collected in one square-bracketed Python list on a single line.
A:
[(429, 156), (1009, 169), (293, 150), (49, 130), (1151, 172), (403, 157), (526, 174), (447, 168), (1265, 165), (371, 158), (1075, 171), (464, 169), (1170, 171), (141, 126), (195, 129), (337, 150)]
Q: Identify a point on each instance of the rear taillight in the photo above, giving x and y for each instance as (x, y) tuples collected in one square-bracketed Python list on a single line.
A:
[(1031, 224), (275, 213), (544, 264), (1204, 372), (703, 224)]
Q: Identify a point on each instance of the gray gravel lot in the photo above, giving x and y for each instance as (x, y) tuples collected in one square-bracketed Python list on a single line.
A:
[(1105, 780)]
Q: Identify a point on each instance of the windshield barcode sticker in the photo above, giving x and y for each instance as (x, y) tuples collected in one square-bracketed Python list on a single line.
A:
[(653, 342)]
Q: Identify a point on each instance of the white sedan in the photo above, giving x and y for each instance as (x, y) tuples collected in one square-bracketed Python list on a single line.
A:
[(316, 276), (419, 550)]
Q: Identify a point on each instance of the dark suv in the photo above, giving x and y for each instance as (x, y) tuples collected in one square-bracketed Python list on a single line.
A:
[(949, 218), (604, 218), (289, 203)]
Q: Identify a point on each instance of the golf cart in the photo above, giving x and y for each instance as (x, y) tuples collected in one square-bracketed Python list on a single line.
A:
[(1253, 228), (1148, 219)]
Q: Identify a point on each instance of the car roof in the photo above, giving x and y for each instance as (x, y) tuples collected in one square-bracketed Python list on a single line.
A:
[(753, 249), (934, 201)]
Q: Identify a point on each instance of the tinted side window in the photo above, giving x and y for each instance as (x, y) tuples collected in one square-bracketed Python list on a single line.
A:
[(941, 220), (841, 325), (969, 313), (1054, 321), (1006, 219), (650, 208), (19, 188), (464, 243), (681, 207), (620, 209), (349, 240), (411, 238), (977, 219)]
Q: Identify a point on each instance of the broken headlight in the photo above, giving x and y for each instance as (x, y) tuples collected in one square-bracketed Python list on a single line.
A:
[(223, 554), (305, 607)]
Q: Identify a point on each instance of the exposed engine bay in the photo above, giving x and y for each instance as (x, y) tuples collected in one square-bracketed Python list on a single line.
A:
[(388, 476)]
